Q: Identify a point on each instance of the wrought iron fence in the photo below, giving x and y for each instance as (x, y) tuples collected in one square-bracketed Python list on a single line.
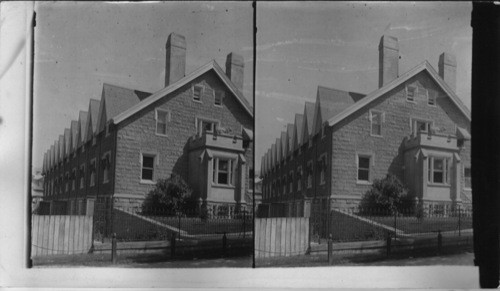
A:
[(140, 224), (356, 224)]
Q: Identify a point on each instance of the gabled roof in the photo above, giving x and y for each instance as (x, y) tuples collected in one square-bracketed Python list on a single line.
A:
[(424, 66), (330, 102), (247, 134), (212, 65), (284, 142), (289, 137), (115, 100), (52, 155), (67, 141), (74, 134), (268, 160), (273, 155), (297, 135), (61, 148), (82, 124), (44, 162), (308, 121), (93, 113)]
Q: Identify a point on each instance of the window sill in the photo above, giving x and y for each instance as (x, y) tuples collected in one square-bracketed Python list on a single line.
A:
[(411, 101), (160, 134), (365, 183), (147, 182), (438, 185), (197, 101), (376, 135), (467, 189), (218, 105), (223, 186)]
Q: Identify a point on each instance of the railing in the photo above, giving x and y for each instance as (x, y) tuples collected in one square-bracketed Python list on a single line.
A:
[(140, 224)]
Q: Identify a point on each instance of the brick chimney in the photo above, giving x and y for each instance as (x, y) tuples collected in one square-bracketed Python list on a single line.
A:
[(175, 67), (234, 69), (448, 69), (388, 58)]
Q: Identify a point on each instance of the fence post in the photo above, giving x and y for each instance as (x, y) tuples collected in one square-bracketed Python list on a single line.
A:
[(172, 245), (244, 222), (459, 218), (395, 223), (388, 244), (330, 249), (440, 241), (179, 226), (113, 248), (224, 244)]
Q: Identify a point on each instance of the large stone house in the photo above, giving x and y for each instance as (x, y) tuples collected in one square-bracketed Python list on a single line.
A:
[(413, 126), (199, 126)]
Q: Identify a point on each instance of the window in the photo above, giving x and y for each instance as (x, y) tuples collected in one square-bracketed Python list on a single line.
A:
[(322, 168), (467, 178), (299, 178), (323, 131), (376, 119), (364, 168), (309, 174), (197, 92), (82, 176), (162, 118), (283, 184), (105, 164), (421, 126), (73, 179), (148, 162), (411, 92), (438, 170), (223, 171), (290, 182), (66, 182), (206, 126), (92, 172), (431, 99), (219, 95)]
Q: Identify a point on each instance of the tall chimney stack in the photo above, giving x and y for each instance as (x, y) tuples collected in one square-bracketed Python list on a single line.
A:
[(175, 67), (448, 69), (388, 57), (234, 69)]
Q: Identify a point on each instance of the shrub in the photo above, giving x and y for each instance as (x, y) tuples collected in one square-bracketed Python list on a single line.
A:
[(172, 194), (387, 195)]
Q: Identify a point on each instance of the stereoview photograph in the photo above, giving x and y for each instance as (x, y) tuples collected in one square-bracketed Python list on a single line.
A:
[(363, 134), (143, 134)]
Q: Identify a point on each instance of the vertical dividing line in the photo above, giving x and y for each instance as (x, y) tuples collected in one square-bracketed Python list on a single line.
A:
[(32, 25), (254, 6)]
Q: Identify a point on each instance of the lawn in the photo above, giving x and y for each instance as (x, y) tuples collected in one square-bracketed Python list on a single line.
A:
[(425, 225), (196, 225)]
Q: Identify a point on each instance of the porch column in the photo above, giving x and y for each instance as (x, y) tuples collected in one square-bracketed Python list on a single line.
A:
[(458, 168), (241, 198), (425, 175)]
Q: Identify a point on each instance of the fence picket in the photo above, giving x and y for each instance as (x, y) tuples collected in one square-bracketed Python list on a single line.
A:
[(272, 248), (278, 238)]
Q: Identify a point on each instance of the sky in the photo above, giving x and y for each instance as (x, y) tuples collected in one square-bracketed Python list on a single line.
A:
[(335, 44), (80, 46)]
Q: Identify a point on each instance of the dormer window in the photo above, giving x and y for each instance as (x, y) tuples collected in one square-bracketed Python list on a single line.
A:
[(219, 95), (411, 92), (197, 92)]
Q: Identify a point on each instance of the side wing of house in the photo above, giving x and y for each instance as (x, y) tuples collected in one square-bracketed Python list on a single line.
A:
[(409, 131)]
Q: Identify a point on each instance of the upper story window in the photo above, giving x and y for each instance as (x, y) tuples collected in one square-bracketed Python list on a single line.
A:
[(376, 119), (309, 174), (66, 182), (105, 165), (205, 125), (322, 168), (421, 126), (467, 178), (299, 178), (92, 172), (162, 118), (223, 171), (431, 98), (73, 179), (219, 96), (82, 176), (290, 182), (411, 92), (197, 92), (439, 170), (147, 169), (364, 162)]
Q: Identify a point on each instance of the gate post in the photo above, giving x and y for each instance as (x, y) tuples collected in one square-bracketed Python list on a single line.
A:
[(113, 248), (330, 249)]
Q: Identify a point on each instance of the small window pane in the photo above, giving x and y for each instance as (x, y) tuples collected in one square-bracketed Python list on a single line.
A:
[(410, 93), (218, 97), (223, 165), (147, 162), (197, 93), (364, 162), (147, 174), (468, 178), (363, 175), (161, 124), (438, 177)]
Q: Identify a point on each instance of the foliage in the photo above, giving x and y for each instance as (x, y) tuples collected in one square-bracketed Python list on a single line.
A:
[(172, 194), (387, 194)]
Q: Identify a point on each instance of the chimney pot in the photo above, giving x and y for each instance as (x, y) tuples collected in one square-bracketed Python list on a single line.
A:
[(448, 69), (388, 59), (175, 67), (234, 69)]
